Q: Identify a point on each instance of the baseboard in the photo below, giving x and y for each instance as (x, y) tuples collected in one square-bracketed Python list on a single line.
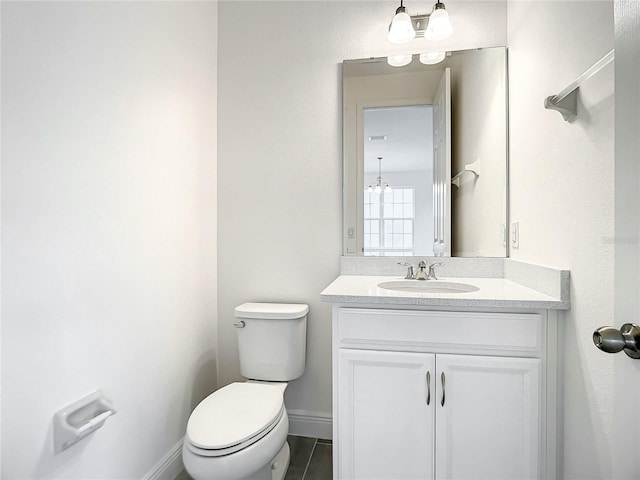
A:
[(310, 424), (169, 466)]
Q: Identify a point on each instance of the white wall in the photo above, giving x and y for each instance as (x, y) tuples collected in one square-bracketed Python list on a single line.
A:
[(108, 227), (280, 165), (561, 180)]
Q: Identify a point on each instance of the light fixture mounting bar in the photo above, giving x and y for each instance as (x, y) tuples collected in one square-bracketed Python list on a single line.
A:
[(420, 23)]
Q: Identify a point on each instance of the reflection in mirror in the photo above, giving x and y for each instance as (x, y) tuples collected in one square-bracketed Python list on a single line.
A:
[(407, 132), (395, 223)]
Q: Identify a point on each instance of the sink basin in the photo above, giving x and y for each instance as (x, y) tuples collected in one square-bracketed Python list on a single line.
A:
[(428, 286)]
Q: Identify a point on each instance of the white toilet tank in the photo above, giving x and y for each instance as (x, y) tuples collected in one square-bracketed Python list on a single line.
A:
[(272, 340)]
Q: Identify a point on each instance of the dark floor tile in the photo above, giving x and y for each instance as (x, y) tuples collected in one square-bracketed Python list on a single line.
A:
[(321, 464), (301, 448), (183, 475), (324, 441)]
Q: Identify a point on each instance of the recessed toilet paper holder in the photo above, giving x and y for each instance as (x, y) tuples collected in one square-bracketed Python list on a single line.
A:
[(76, 421), (612, 340)]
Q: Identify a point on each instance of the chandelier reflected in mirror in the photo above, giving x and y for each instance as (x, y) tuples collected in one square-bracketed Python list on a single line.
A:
[(380, 186)]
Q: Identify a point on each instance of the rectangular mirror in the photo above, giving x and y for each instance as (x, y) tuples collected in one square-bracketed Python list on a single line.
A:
[(425, 156)]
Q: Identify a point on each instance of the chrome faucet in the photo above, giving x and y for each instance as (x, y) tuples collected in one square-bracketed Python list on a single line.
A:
[(423, 273), (432, 271)]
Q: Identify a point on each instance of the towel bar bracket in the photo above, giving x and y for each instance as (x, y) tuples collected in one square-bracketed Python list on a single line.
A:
[(566, 102), (568, 106), (471, 167)]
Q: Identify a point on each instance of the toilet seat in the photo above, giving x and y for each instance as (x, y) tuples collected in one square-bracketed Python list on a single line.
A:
[(233, 418), (243, 464), (220, 452)]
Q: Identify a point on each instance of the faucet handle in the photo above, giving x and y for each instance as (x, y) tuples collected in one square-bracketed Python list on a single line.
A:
[(432, 271), (410, 274)]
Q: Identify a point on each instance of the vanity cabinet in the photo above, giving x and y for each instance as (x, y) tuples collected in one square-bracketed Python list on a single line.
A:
[(422, 394), (386, 416)]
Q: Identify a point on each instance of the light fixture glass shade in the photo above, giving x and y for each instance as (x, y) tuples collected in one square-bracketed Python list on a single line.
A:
[(439, 26), (370, 189), (378, 189), (387, 189), (399, 60), (431, 58), (401, 29)]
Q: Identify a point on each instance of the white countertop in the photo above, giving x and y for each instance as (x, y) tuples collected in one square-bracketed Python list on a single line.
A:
[(492, 292)]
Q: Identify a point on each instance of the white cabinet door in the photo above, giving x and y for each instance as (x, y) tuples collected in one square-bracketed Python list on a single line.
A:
[(386, 415), (489, 424)]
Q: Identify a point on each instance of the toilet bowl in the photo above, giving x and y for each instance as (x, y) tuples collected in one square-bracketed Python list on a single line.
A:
[(240, 431)]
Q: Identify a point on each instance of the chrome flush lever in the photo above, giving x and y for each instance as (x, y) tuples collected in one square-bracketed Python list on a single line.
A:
[(612, 340), (239, 324)]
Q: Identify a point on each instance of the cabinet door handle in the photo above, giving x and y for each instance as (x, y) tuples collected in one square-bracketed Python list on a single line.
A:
[(428, 387), (442, 379)]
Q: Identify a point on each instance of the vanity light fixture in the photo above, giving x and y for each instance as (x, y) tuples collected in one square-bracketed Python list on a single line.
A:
[(432, 26), (401, 29), (380, 186), (431, 58), (439, 26), (399, 60)]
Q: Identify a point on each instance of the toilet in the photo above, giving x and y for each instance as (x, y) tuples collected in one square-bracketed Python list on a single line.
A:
[(240, 431)]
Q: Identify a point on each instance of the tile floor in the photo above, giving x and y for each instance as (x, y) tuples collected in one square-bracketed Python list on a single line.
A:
[(310, 460)]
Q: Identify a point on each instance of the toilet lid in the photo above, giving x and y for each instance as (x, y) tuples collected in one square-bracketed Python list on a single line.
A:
[(234, 414), (276, 311)]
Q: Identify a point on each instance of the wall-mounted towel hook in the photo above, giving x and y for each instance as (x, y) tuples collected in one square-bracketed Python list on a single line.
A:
[(74, 422), (471, 167)]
